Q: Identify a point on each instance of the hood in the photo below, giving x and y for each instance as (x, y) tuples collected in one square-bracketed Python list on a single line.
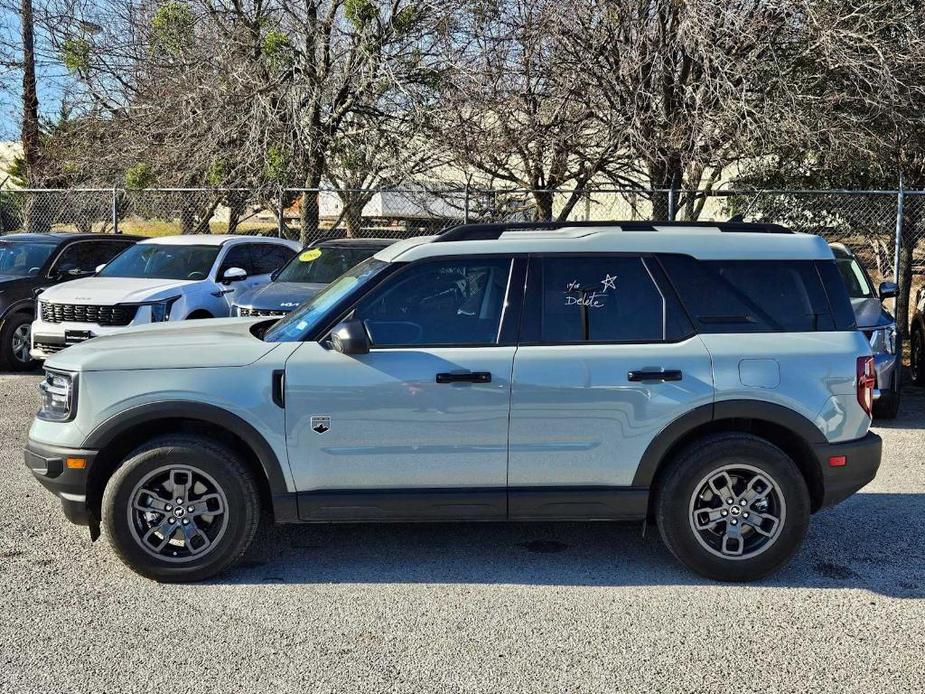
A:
[(278, 296), (869, 313), (217, 342), (107, 291)]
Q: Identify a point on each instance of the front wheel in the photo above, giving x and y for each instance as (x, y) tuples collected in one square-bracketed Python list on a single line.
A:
[(181, 508), (733, 507), (15, 342)]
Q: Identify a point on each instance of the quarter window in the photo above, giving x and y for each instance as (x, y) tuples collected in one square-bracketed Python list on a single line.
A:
[(593, 299), (446, 302), (742, 296)]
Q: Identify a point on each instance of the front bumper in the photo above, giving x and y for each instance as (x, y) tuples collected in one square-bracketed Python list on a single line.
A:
[(50, 338), (862, 460), (49, 466), (886, 370)]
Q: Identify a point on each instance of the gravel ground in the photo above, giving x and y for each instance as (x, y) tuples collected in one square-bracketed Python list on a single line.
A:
[(500, 608)]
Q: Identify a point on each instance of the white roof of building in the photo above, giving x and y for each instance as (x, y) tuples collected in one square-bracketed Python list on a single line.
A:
[(706, 243)]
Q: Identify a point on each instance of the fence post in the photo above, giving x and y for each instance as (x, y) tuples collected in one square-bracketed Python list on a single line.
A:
[(672, 204), (466, 205), (280, 210), (900, 203), (115, 211)]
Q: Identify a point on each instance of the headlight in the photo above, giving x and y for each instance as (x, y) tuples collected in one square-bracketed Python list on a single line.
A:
[(883, 340), (59, 396), (160, 310)]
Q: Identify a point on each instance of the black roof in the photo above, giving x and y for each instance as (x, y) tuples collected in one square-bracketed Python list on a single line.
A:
[(353, 243), (66, 235), (491, 231)]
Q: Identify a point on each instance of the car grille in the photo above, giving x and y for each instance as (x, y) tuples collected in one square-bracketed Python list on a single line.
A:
[(49, 347), (246, 312), (87, 313)]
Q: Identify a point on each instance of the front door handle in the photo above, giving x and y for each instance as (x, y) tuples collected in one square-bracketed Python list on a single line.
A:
[(654, 375), (470, 377)]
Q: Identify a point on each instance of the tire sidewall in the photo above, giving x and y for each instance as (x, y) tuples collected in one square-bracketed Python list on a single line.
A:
[(674, 497), (241, 512), (10, 326)]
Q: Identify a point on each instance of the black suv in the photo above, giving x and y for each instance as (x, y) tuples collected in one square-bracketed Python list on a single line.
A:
[(31, 262)]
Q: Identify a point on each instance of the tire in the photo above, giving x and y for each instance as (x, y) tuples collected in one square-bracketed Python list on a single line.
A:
[(685, 488), (15, 329), (917, 358), (153, 475), (887, 405)]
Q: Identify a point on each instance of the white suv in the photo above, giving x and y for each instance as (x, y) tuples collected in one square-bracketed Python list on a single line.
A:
[(160, 279)]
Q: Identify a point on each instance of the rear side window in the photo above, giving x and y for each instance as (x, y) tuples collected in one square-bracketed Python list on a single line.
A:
[(596, 298), (742, 296)]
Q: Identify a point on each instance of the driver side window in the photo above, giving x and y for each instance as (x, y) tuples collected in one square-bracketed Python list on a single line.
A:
[(445, 302)]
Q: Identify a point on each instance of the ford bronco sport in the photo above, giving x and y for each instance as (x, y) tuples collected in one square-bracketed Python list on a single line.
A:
[(708, 377)]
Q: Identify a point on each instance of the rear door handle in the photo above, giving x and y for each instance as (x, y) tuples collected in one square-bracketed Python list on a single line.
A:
[(653, 375), (471, 377)]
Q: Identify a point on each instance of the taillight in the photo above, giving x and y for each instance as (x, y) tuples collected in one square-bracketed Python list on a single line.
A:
[(867, 377)]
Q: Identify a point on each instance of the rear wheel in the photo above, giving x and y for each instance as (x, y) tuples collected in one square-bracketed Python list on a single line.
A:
[(917, 358), (733, 507), (181, 508), (15, 342)]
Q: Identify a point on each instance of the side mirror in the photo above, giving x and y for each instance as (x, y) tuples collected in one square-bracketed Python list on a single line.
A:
[(99, 268), (234, 274), (350, 337), (888, 290)]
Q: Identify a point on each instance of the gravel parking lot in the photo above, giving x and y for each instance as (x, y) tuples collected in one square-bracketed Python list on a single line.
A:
[(477, 608)]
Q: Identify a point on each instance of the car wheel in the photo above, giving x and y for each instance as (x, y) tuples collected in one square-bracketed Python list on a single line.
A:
[(15, 342), (732, 507), (181, 508), (917, 358)]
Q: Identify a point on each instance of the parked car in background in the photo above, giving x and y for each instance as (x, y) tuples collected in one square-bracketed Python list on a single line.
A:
[(707, 376), (305, 275), (917, 340), (160, 279), (878, 326), (30, 262)]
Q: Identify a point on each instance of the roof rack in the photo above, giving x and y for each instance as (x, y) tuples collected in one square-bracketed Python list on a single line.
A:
[(492, 231)]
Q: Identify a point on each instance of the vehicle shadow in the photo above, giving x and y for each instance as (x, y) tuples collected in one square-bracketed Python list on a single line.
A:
[(911, 411), (872, 542)]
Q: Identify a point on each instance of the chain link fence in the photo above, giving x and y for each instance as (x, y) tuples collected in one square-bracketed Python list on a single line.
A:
[(885, 228)]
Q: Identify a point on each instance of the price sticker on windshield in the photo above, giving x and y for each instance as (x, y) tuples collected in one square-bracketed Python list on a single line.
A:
[(310, 255)]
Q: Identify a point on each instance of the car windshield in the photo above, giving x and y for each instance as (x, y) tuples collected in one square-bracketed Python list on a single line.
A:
[(305, 318), (163, 261), (855, 279), (23, 258), (322, 264)]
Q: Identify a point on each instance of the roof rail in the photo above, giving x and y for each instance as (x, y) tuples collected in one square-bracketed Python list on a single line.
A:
[(491, 231)]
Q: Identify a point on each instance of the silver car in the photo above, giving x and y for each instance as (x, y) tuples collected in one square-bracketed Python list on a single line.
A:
[(878, 326)]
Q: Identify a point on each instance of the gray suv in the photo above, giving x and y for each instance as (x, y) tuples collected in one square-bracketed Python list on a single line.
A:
[(709, 377)]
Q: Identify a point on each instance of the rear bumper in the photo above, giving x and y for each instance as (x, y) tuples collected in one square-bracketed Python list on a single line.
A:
[(48, 465), (862, 460)]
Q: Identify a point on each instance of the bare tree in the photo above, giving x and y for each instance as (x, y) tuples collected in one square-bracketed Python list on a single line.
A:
[(513, 113)]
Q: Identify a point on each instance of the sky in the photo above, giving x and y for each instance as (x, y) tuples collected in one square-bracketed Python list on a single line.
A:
[(51, 78)]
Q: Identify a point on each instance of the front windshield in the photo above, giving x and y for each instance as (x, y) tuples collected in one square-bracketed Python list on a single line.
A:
[(306, 317), (322, 264), (22, 258), (855, 279), (163, 261)]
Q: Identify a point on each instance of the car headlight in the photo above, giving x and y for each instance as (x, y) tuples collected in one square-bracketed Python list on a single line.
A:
[(883, 340), (160, 310), (59, 396)]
